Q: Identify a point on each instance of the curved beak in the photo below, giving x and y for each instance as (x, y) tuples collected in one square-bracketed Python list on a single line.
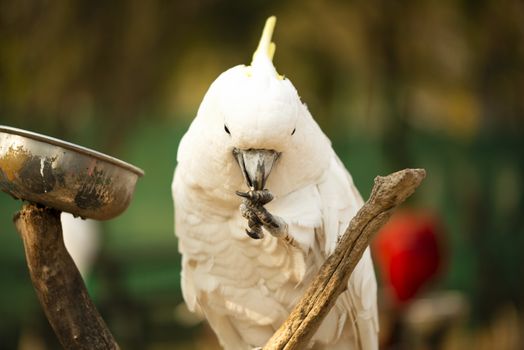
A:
[(256, 164)]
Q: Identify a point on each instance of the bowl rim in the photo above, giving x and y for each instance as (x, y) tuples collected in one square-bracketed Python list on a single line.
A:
[(71, 146)]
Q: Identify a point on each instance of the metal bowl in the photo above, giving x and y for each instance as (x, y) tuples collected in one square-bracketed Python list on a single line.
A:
[(64, 176)]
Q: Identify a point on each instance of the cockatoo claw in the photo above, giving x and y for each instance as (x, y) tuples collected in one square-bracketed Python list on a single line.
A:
[(254, 234), (257, 196), (252, 209), (242, 194)]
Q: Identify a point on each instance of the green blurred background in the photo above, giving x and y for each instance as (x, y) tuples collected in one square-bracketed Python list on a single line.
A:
[(394, 84)]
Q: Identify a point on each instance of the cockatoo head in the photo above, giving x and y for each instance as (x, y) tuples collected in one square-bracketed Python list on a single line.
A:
[(254, 115)]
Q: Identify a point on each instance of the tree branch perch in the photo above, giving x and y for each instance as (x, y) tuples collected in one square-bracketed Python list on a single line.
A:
[(388, 192)]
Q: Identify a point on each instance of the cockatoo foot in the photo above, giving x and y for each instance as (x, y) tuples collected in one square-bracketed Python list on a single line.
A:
[(252, 208)]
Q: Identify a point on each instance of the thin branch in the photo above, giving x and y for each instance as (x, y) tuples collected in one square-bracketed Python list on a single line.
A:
[(331, 280)]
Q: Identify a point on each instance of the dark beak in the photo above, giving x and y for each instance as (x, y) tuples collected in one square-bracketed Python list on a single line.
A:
[(256, 164)]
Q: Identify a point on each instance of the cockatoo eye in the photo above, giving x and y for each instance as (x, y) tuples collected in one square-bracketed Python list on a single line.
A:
[(226, 129), (293, 132)]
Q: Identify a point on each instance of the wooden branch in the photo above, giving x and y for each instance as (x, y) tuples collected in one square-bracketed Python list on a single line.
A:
[(57, 282), (331, 280)]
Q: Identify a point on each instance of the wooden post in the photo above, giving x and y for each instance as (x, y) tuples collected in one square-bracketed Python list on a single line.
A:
[(57, 282), (388, 192)]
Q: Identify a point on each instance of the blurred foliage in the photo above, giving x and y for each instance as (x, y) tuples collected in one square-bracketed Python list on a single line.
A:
[(433, 84)]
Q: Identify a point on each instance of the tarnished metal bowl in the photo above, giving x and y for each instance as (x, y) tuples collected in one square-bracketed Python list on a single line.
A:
[(64, 176)]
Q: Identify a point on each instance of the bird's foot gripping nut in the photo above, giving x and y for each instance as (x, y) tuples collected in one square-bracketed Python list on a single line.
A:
[(252, 208)]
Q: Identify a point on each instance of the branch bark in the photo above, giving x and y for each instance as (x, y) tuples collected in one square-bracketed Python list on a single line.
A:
[(388, 192), (57, 282)]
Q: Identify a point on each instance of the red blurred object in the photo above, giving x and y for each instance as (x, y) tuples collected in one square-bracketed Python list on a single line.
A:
[(408, 252)]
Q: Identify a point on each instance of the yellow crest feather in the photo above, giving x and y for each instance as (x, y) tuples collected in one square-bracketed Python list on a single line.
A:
[(266, 46)]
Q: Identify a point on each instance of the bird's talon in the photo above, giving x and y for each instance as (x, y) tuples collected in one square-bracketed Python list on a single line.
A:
[(260, 197), (255, 235), (252, 209), (242, 194)]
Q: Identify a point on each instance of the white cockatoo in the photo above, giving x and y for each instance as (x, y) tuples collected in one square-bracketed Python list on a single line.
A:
[(254, 158)]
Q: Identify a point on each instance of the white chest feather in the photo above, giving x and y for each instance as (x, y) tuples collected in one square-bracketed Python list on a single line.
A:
[(254, 280)]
